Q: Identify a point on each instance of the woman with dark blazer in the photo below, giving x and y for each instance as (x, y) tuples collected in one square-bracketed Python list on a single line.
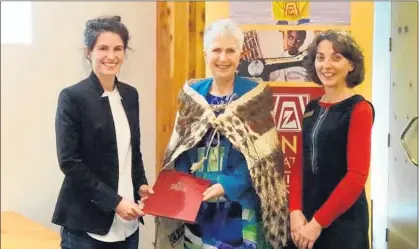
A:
[(98, 147)]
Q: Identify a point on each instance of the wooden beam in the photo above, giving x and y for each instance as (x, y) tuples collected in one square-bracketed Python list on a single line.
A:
[(199, 37), (180, 57), (163, 81)]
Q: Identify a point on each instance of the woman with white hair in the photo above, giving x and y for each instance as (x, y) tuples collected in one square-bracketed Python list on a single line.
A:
[(224, 132)]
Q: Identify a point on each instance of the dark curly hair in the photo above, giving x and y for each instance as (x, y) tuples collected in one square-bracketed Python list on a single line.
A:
[(344, 44), (95, 27)]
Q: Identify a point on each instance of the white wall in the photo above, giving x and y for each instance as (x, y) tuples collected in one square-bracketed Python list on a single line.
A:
[(31, 78), (381, 101)]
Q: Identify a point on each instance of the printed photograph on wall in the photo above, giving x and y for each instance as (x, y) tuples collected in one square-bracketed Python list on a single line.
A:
[(291, 12), (275, 55)]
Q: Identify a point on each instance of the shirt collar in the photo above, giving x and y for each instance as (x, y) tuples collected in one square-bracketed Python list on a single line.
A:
[(115, 93)]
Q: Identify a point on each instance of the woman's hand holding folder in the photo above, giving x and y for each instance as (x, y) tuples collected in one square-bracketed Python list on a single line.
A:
[(213, 192), (129, 210), (144, 191)]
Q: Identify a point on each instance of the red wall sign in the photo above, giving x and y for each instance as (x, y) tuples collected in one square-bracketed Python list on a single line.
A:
[(288, 111)]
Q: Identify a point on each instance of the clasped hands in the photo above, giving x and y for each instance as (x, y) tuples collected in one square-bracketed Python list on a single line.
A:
[(304, 233), (128, 209)]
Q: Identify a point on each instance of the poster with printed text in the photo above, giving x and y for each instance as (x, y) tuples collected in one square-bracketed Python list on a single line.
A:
[(289, 106), (291, 12)]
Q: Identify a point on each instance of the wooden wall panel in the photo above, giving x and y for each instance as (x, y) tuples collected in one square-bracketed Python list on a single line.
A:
[(163, 78), (180, 56), (196, 32)]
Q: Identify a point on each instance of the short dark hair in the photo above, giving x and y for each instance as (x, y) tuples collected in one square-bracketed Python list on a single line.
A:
[(300, 33), (95, 27), (344, 44)]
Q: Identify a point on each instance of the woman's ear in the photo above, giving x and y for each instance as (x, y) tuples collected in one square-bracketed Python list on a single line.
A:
[(205, 56), (352, 67), (87, 53)]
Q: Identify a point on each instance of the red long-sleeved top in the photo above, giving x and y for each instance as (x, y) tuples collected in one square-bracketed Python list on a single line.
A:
[(350, 187)]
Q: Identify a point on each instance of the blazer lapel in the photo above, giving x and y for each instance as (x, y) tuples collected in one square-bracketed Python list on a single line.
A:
[(110, 125), (126, 102), (105, 121)]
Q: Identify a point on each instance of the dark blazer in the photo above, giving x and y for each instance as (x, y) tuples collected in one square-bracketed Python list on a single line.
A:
[(88, 156)]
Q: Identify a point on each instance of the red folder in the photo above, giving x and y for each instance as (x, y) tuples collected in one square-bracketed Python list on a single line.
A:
[(177, 195)]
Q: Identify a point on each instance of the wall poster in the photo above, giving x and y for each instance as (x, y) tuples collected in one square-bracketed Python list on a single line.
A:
[(275, 55), (291, 12), (289, 106)]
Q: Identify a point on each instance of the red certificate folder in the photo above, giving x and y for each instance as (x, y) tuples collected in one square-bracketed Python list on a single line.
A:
[(177, 195)]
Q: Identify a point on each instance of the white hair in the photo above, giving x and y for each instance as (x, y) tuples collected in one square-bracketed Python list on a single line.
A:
[(224, 27)]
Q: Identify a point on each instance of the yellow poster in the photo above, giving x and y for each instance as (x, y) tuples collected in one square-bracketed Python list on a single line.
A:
[(297, 12)]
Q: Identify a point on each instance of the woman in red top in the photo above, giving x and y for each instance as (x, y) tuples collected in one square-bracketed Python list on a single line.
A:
[(328, 205)]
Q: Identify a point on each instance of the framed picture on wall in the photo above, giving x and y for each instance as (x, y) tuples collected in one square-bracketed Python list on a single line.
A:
[(275, 55)]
